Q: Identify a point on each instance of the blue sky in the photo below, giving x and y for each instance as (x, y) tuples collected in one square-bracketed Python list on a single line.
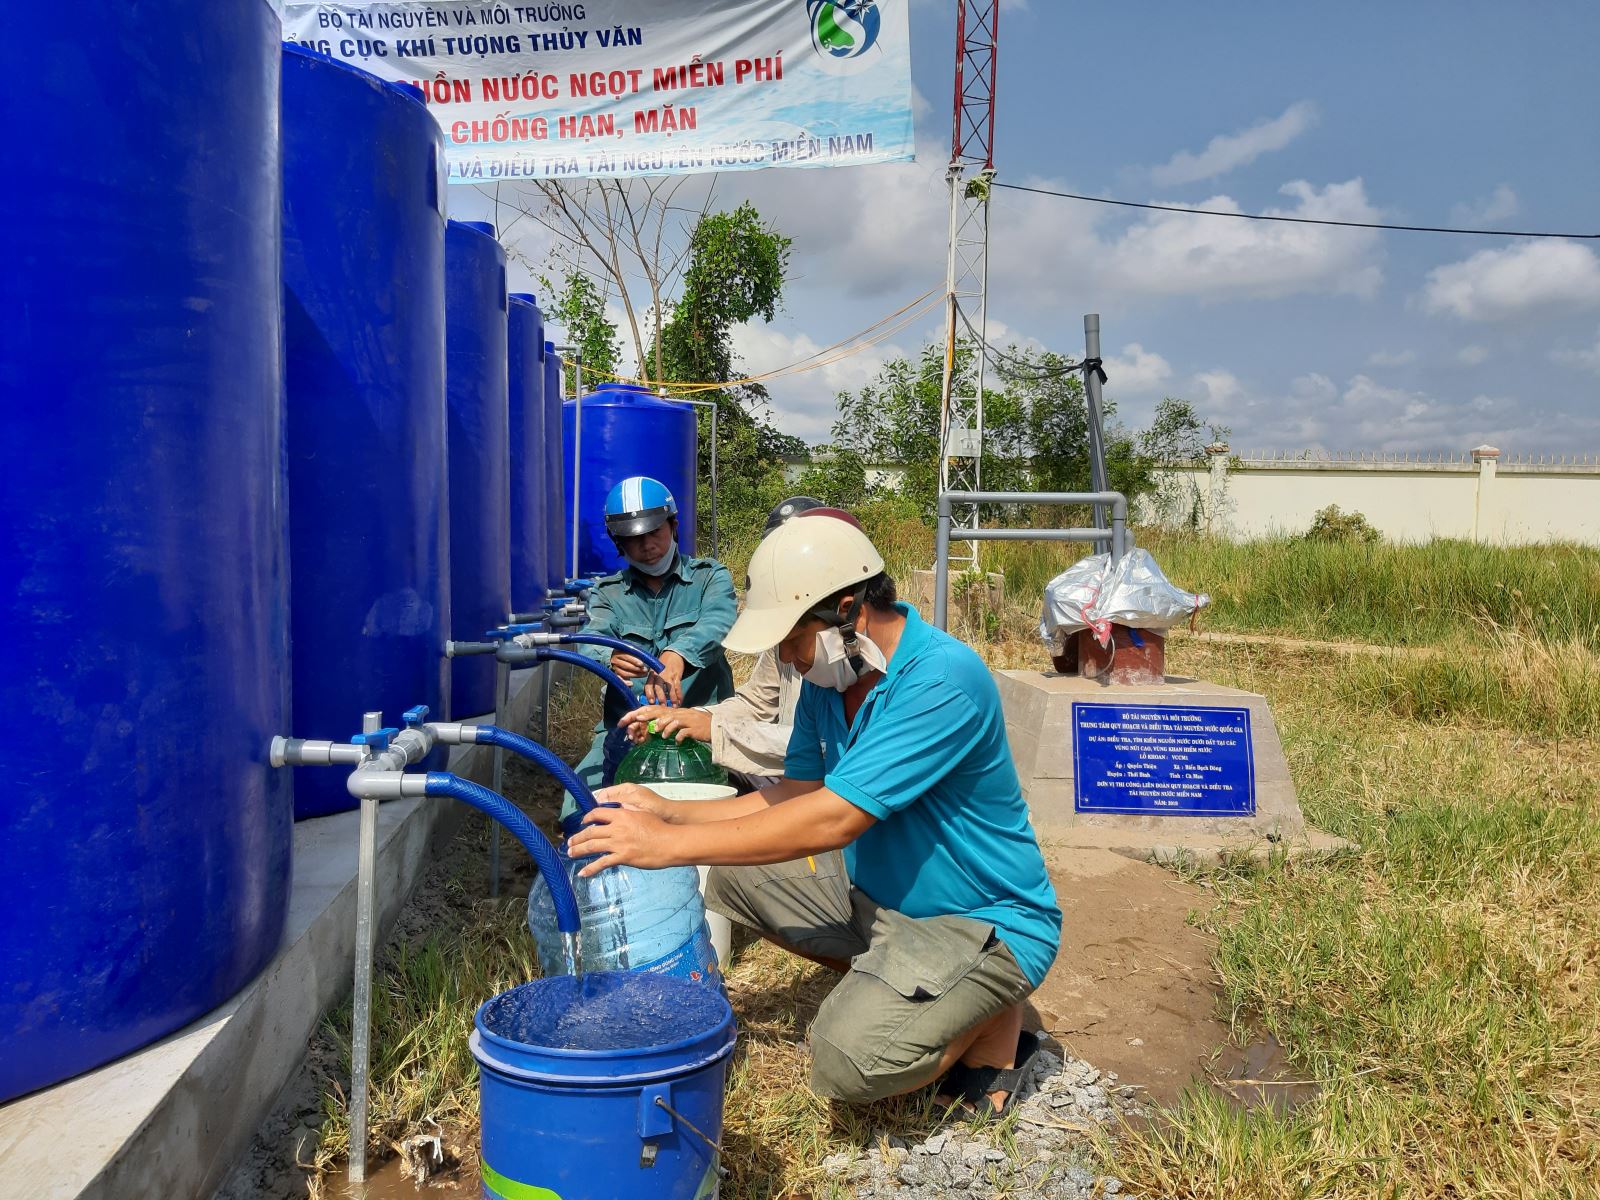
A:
[(1296, 337)]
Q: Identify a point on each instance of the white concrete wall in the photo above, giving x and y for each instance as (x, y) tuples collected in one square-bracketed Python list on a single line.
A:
[(1408, 501)]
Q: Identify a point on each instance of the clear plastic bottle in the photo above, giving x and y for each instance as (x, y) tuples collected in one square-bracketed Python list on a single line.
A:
[(632, 920), (660, 759)]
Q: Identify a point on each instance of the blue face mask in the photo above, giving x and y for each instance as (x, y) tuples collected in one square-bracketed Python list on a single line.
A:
[(658, 568)]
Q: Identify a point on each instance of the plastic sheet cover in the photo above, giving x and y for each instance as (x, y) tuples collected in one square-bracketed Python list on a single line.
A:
[(1092, 594)]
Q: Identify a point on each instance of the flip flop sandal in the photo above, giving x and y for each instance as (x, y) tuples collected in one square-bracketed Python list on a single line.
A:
[(971, 1086)]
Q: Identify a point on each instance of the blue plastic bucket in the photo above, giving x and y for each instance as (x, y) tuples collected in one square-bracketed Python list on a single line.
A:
[(602, 1086)]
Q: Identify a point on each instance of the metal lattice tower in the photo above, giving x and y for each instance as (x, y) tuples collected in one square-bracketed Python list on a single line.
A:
[(967, 260)]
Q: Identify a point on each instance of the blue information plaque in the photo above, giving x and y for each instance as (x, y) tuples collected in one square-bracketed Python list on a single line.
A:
[(1166, 760)]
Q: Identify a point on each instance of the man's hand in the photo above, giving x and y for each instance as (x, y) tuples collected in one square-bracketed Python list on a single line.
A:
[(623, 837), (640, 798), (627, 666), (679, 722), (667, 686)]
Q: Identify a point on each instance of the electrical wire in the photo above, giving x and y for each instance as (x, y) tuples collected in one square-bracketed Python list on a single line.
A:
[(846, 347), (1019, 368), (1238, 216)]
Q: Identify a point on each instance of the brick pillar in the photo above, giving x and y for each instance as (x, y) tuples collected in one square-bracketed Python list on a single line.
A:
[(1485, 524), (1217, 494)]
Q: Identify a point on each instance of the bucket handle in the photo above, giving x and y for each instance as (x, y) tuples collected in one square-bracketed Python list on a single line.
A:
[(656, 1116)]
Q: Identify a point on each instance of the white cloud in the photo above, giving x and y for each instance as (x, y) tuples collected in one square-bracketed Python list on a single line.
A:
[(1585, 359), (1217, 389), (1472, 355), (1174, 254), (1313, 388), (804, 404), (1136, 371), (1315, 413), (1226, 151), (1497, 206), (1392, 358), (1495, 285)]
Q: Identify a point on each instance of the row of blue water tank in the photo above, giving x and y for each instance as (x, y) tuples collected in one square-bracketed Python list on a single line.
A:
[(277, 432)]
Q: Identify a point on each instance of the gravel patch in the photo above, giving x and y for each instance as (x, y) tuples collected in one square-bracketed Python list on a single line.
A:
[(1037, 1152)]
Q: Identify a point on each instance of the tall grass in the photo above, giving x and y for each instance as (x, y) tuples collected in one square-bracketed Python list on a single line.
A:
[(1439, 980), (1382, 592)]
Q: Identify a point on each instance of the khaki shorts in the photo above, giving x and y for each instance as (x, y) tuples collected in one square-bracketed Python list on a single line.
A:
[(915, 984)]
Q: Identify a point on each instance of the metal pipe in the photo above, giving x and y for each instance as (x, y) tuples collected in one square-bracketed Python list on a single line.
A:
[(1097, 430), (1116, 536), (502, 707), (361, 1017), (1037, 535), (941, 565), (577, 448)]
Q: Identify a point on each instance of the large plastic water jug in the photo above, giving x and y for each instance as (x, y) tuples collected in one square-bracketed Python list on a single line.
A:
[(660, 759), (633, 920)]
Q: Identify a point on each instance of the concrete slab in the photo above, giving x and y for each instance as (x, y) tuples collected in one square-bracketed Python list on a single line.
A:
[(169, 1120), (1039, 724)]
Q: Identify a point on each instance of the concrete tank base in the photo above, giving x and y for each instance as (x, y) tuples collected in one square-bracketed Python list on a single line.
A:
[(171, 1119), (1039, 713)]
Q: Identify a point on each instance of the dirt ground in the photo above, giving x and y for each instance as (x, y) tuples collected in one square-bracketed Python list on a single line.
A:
[(1132, 990)]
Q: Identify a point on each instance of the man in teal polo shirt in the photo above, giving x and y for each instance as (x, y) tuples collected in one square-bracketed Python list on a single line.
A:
[(939, 910), (674, 606)]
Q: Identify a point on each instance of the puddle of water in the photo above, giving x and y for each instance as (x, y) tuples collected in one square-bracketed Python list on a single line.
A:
[(1260, 1075), (385, 1182)]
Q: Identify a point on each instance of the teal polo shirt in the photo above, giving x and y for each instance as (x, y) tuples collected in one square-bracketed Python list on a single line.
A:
[(928, 758), (691, 614)]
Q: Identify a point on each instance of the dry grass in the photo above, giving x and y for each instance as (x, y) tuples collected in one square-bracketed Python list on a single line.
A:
[(1441, 980)]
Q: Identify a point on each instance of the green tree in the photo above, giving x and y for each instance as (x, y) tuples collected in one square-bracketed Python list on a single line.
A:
[(580, 308)]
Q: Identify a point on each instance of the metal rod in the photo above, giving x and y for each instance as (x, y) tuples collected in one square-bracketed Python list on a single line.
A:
[(361, 1016), (577, 447), (502, 711), (1115, 537), (941, 565), (1097, 429), (1041, 535), (716, 527)]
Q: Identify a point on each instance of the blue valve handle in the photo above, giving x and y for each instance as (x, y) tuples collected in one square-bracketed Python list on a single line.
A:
[(377, 741)]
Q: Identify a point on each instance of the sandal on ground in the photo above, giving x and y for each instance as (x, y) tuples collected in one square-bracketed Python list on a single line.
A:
[(970, 1086)]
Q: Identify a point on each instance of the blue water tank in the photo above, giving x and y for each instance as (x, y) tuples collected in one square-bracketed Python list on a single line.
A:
[(558, 563), (364, 326), (529, 504), (627, 431), (480, 463), (144, 834)]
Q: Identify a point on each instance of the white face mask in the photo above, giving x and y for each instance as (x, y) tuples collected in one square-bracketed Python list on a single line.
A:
[(658, 568), (830, 663)]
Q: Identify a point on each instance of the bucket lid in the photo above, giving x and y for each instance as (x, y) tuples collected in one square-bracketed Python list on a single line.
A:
[(606, 1027), (676, 790)]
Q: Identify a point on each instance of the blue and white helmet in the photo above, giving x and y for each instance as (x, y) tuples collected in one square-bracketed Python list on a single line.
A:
[(637, 505)]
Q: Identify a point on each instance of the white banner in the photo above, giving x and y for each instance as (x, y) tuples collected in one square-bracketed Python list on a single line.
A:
[(636, 87)]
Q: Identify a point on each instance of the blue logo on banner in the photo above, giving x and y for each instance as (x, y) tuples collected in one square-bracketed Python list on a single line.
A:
[(1164, 760), (844, 28)]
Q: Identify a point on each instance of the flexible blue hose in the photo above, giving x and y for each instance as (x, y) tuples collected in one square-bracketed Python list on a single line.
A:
[(524, 830), (614, 681), (611, 643), (493, 735)]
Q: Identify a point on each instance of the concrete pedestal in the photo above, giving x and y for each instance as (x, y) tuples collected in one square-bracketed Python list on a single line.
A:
[(1206, 773)]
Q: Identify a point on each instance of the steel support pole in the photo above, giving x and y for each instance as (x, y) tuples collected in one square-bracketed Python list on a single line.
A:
[(941, 565), (577, 447), (361, 1003), (1097, 431), (502, 709), (716, 527)]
